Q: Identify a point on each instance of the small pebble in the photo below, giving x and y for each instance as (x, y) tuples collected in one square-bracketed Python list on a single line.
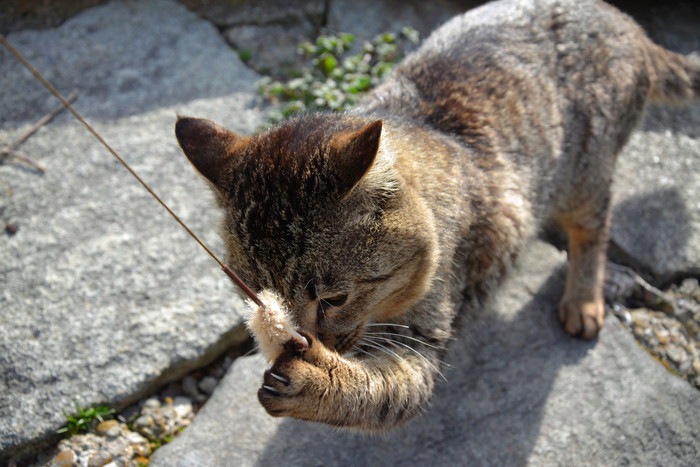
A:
[(100, 459), (144, 421), (689, 286), (189, 387), (109, 428), (151, 403), (627, 318), (208, 384), (11, 229), (684, 366), (218, 372), (640, 320), (65, 458), (676, 336), (662, 336), (134, 438), (183, 407), (676, 354)]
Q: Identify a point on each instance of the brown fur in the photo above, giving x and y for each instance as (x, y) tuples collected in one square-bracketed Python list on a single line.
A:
[(507, 119)]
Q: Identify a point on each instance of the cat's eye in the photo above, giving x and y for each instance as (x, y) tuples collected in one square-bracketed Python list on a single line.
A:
[(330, 302), (338, 300)]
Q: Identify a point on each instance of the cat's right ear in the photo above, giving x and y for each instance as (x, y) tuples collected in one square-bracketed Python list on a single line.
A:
[(355, 153), (209, 147)]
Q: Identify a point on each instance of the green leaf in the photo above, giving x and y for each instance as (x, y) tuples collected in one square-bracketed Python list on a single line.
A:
[(347, 40), (411, 34), (245, 55), (334, 79), (328, 64)]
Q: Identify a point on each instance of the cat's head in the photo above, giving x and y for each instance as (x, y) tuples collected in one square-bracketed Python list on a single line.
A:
[(318, 213)]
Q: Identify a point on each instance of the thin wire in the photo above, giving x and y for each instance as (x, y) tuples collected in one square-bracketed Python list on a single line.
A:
[(229, 272)]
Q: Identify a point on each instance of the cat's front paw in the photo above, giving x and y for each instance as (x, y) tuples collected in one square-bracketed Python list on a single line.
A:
[(298, 381), (582, 318)]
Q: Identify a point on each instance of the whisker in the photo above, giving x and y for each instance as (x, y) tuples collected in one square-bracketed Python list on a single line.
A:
[(359, 349), (406, 346), (252, 351), (381, 348), (307, 284), (402, 335), (370, 325)]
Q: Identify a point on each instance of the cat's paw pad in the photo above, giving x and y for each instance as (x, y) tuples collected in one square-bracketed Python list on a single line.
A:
[(582, 318)]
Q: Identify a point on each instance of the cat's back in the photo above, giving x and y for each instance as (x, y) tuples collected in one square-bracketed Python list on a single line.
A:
[(530, 48), (538, 30), (524, 79), (523, 86)]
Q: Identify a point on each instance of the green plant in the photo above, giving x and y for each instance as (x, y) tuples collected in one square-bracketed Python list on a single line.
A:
[(82, 419), (161, 441), (336, 79), (245, 55)]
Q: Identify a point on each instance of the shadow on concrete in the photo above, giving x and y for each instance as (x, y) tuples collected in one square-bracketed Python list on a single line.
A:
[(636, 240), (678, 120), (489, 411)]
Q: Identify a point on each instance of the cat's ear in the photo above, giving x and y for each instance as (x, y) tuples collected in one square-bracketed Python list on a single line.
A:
[(209, 147), (354, 154)]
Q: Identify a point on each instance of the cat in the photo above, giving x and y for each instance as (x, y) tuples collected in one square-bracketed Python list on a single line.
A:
[(367, 232)]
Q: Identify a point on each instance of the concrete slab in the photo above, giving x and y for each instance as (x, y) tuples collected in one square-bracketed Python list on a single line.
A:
[(103, 295)]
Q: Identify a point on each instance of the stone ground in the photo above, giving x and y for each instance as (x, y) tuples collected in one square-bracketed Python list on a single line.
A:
[(151, 309), (104, 298)]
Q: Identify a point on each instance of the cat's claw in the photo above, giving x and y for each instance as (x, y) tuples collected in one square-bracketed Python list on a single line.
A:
[(279, 378), (270, 389), (301, 341)]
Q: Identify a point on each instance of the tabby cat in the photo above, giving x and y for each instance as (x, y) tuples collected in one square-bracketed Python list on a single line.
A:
[(367, 232)]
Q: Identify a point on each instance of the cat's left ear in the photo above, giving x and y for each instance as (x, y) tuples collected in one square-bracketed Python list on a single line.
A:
[(354, 154), (209, 147)]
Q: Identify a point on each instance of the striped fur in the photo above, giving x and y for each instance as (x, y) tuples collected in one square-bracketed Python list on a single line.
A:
[(372, 229)]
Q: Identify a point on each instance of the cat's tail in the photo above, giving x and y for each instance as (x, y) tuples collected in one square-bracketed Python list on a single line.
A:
[(675, 78)]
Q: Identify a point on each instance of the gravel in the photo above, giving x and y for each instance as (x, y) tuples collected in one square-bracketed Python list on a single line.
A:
[(137, 431), (671, 336)]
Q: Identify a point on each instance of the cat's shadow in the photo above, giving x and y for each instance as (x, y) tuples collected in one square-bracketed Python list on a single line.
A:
[(489, 410)]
